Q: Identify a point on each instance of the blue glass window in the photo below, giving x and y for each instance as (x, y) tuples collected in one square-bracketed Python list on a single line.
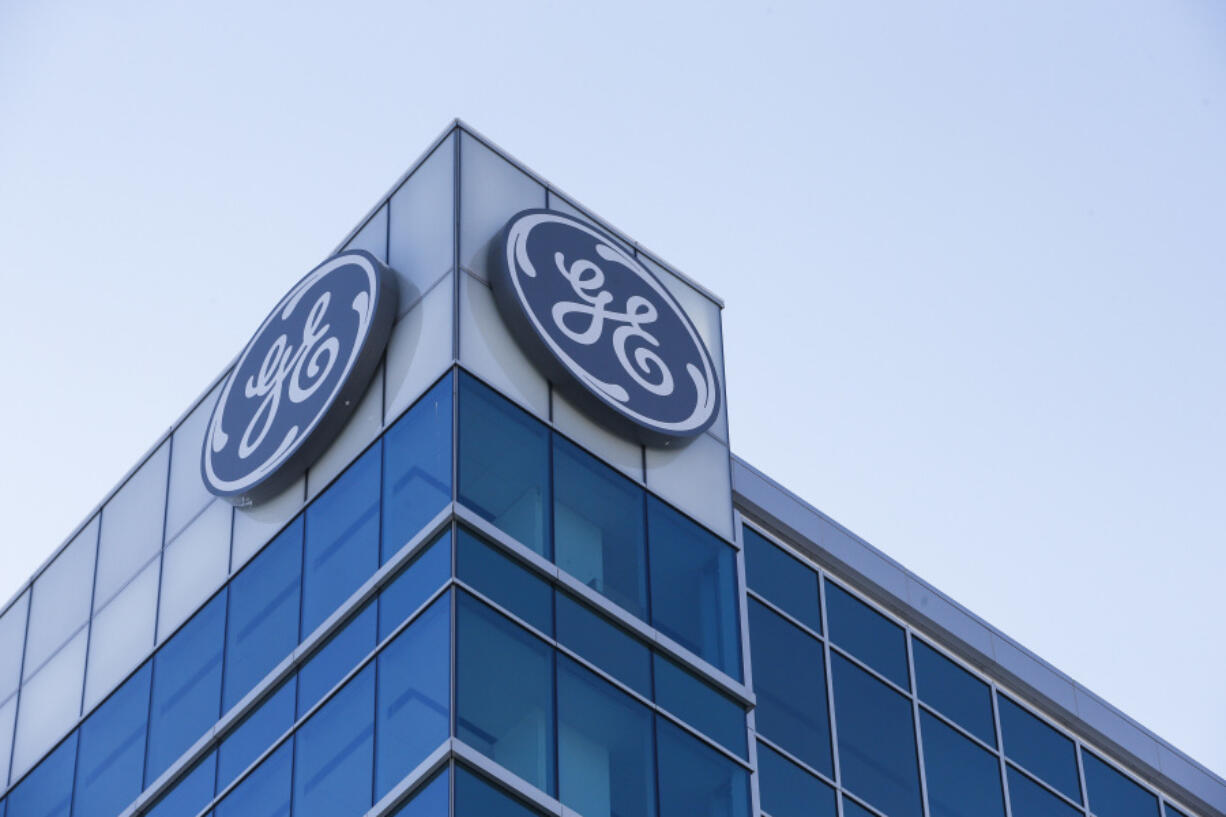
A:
[(605, 763), (604, 644), (782, 579), (192, 793), (338, 656), (954, 692), (701, 705), (963, 778), (599, 526), (505, 693), (414, 584), (111, 758), (693, 588), (186, 698), (264, 605), (416, 467), (877, 756), (256, 733), (430, 800), (853, 809), (334, 753), (266, 791), (504, 465), (696, 779), (414, 686), (1039, 749), (867, 635), (789, 677), (1171, 811), (505, 580), (1111, 794), (787, 790), (47, 791), (342, 540), (476, 797), (1028, 799)]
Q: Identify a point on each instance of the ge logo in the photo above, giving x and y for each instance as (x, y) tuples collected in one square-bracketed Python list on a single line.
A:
[(299, 379), (603, 327)]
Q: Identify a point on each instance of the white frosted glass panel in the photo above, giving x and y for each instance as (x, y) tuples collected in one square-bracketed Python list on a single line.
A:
[(373, 236), (132, 526), (50, 704), (187, 492), (491, 191), (12, 640), (617, 451), (194, 565), (254, 527), (419, 351), (361, 430), (59, 605), (422, 225), (488, 350), (8, 719), (122, 635), (695, 479), (560, 204)]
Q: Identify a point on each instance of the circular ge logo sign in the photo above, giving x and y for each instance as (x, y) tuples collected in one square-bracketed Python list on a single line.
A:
[(299, 379), (603, 328)]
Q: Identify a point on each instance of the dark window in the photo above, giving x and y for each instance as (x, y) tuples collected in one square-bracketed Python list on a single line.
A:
[(476, 797), (603, 643), (416, 467), (264, 608), (782, 579), (1028, 799), (1039, 749), (963, 778), (186, 697), (504, 465), (693, 588), (505, 580), (414, 584), (605, 763), (789, 677), (342, 540), (111, 757), (334, 660), (695, 779), (266, 791), (853, 809), (47, 791), (701, 705), (1111, 794), (787, 790), (271, 719), (192, 793), (505, 693), (866, 634), (430, 800), (334, 753), (876, 741), (599, 527), (954, 692), (1171, 811)]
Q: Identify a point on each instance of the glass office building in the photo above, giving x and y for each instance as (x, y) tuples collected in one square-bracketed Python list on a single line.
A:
[(479, 601)]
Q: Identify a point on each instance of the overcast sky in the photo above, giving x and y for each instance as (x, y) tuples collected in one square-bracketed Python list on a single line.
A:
[(972, 255)]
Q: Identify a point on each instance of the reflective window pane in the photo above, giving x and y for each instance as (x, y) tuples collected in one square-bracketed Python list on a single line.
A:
[(334, 753), (416, 468), (111, 756), (187, 493), (50, 704), (47, 791), (695, 779), (12, 641), (1171, 811), (1028, 799), (192, 793), (266, 791), (954, 692), (782, 579), (263, 626), (1111, 794), (789, 678), (131, 531), (8, 720), (599, 524), (194, 565), (60, 604), (1039, 748), (505, 580), (853, 809), (270, 720), (605, 758), (342, 540), (336, 658), (477, 797), (422, 224), (700, 705), (693, 588), (877, 756), (504, 693), (415, 583), (430, 800), (414, 685), (867, 634), (121, 635), (787, 790), (504, 465), (963, 778), (602, 642)]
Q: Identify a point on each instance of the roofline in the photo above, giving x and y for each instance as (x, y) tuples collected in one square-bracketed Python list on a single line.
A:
[(974, 640)]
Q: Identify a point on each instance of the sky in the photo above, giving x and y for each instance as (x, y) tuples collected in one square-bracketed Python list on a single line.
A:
[(972, 256)]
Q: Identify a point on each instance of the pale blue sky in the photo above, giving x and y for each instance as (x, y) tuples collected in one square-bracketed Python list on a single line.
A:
[(972, 255)]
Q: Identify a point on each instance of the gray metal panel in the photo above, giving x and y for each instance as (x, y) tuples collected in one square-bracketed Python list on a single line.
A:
[(974, 640)]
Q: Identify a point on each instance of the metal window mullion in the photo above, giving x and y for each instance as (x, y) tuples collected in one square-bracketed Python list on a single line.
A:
[(919, 738), (830, 709), (1081, 777), (1000, 752)]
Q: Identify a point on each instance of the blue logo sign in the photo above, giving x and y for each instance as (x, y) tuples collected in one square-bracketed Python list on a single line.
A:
[(603, 327), (299, 379)]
